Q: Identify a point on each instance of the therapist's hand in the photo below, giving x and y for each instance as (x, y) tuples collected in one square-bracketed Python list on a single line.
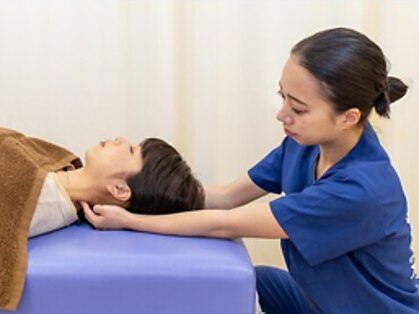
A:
[(107, 216)]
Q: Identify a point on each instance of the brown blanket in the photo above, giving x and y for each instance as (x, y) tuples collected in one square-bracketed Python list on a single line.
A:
[(24, 163)]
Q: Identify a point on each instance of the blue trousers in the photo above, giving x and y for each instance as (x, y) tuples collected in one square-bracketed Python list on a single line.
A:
[(280, 294)]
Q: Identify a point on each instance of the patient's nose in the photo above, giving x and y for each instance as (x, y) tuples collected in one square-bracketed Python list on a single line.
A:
[(117, 140), (120, 140)]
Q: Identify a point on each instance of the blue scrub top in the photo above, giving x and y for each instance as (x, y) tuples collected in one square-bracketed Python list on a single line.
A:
[(349, 238)]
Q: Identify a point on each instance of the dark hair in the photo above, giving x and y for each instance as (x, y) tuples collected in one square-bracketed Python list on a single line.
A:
[(352, 69), (165, 184)]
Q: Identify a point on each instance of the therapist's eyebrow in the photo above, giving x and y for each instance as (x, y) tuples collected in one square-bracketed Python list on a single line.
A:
[(292, 97)]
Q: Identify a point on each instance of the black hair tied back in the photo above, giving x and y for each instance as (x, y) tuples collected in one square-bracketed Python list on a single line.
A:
[(353, 71), (393, 90)]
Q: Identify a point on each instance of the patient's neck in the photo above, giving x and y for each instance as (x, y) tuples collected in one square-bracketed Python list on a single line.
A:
[(81, 187)]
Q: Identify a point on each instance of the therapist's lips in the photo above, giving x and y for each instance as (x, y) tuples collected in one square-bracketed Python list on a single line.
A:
[(289, 133)]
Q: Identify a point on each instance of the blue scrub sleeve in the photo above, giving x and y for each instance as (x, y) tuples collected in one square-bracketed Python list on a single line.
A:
[(329, 218), (267, 173)]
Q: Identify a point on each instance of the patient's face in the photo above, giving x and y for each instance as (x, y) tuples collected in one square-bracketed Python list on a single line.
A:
[(116, 158)]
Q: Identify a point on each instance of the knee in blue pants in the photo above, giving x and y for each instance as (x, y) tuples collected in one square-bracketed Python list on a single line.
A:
[(279, 293)]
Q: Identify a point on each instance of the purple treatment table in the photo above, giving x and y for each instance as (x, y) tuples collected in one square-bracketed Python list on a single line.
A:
[(80, 270)]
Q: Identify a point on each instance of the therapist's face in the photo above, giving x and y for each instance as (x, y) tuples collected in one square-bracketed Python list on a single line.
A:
[(306, 115)]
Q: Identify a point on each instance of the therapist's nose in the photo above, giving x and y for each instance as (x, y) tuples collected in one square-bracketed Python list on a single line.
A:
[(283, 116)]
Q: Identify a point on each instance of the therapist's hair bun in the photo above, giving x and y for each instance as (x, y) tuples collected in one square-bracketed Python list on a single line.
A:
[(352, 70)]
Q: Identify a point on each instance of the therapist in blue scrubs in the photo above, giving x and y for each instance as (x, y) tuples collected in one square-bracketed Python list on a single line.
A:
[(342, 213)]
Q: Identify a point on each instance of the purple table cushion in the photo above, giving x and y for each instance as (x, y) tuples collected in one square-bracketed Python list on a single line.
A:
[(81, 270)]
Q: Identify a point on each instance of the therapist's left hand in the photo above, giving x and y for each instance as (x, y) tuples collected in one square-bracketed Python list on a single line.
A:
[(106, 216)]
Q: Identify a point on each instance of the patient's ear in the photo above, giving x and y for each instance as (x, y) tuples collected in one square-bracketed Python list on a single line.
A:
[(120, 191)]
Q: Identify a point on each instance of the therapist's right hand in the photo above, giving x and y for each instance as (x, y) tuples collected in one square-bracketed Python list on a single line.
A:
[(106, 216)]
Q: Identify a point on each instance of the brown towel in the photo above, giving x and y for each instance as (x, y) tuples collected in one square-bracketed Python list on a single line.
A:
[(24, 163)]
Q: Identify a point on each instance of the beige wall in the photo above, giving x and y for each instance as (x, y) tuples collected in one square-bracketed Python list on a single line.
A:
[(202, 74)]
